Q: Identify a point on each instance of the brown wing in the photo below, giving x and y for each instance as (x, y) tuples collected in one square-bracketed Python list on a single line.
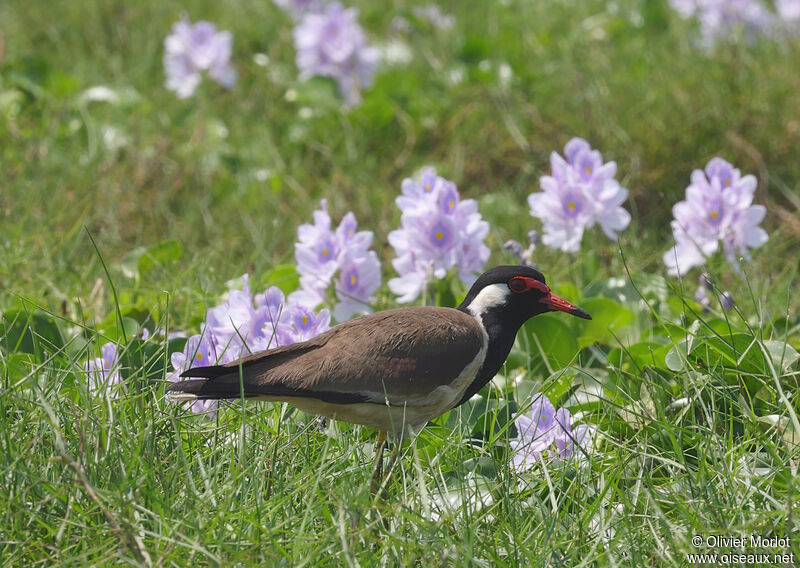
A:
[(357, 361)]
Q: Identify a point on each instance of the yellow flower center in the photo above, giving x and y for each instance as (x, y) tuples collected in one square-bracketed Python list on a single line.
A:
[(714, 214), (544, 419), (427, 187), (305, 319), (588, 170), (571, 206), (353, 280), (350, 233), (727, 182), (199, 356), (439, 235), (451, 203), (325, 252)]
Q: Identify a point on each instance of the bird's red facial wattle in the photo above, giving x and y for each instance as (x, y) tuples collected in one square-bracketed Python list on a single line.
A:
[(523, 284)]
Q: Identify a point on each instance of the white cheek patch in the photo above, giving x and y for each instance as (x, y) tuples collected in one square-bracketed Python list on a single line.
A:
[(490, 297)]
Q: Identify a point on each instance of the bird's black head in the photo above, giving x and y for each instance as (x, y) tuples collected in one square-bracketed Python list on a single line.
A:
[(515, 294), (503, 298)]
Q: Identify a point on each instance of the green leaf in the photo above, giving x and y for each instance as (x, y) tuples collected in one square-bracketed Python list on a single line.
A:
[(783, 355), (160, 254), (494, 420), (550, 341), (111, 330), (284, 276), (22, 331), (17, 365), (638, 354), (608, 317), (676, 358)]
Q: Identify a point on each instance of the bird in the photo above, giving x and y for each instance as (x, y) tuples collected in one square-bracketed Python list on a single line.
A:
[(394, 370)]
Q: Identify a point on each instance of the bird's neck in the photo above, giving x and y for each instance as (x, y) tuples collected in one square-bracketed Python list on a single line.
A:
[(501, 329)]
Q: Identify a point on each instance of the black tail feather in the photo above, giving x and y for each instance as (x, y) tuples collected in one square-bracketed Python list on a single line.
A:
[(188, 387), (210, 372)]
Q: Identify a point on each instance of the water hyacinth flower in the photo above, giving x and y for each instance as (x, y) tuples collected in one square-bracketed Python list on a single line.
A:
[(523, 256), (245, 324), (439, 231), (581, 191), (701, 295), (544, 432), (299, 8), (199, 351), (302, 323), (235, 321), (717, 213), (316, 254), (192, 49), (359, 277), (788, 10), (726, 19), (434, 15), (321, 252), (331, 43), (726, 301), (102, 371)]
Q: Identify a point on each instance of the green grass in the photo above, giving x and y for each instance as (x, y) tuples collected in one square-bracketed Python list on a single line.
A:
[(698, 436)]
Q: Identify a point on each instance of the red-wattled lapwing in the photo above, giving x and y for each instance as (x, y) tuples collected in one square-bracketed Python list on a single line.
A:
[(394, 370)]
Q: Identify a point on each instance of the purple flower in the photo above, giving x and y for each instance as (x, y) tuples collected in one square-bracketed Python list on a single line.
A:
[(724, 19), (199, 351), (332, 44), (523, 256), (316, 254), (233, 322), (193, 48), (302, 323), (566, 209), (701, 295), (439, 231), (245, 324), (580, 192), (322, 252), (788, 10), (359, 278), (434, 15), (726, 301), (545, 431), (102, 372), (271, 313), (299, 8), (717, 209), (534, 433)]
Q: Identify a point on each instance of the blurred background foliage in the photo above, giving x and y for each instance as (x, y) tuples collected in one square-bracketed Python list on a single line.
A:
[(229, 175)]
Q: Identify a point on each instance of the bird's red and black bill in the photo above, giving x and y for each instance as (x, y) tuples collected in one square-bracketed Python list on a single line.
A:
[(559, 304), (520, 284)]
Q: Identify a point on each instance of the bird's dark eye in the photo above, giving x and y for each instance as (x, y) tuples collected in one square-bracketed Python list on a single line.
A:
[(517, 285)]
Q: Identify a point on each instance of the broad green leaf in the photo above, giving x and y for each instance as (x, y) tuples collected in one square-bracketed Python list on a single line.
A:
[(783, 425), (550, 340), (638, 354), (493, 420), (284, 276), (110, 329), (608, 316), (676, 357), (17, 365), (160, 254), (783, 355), (22, 330)]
